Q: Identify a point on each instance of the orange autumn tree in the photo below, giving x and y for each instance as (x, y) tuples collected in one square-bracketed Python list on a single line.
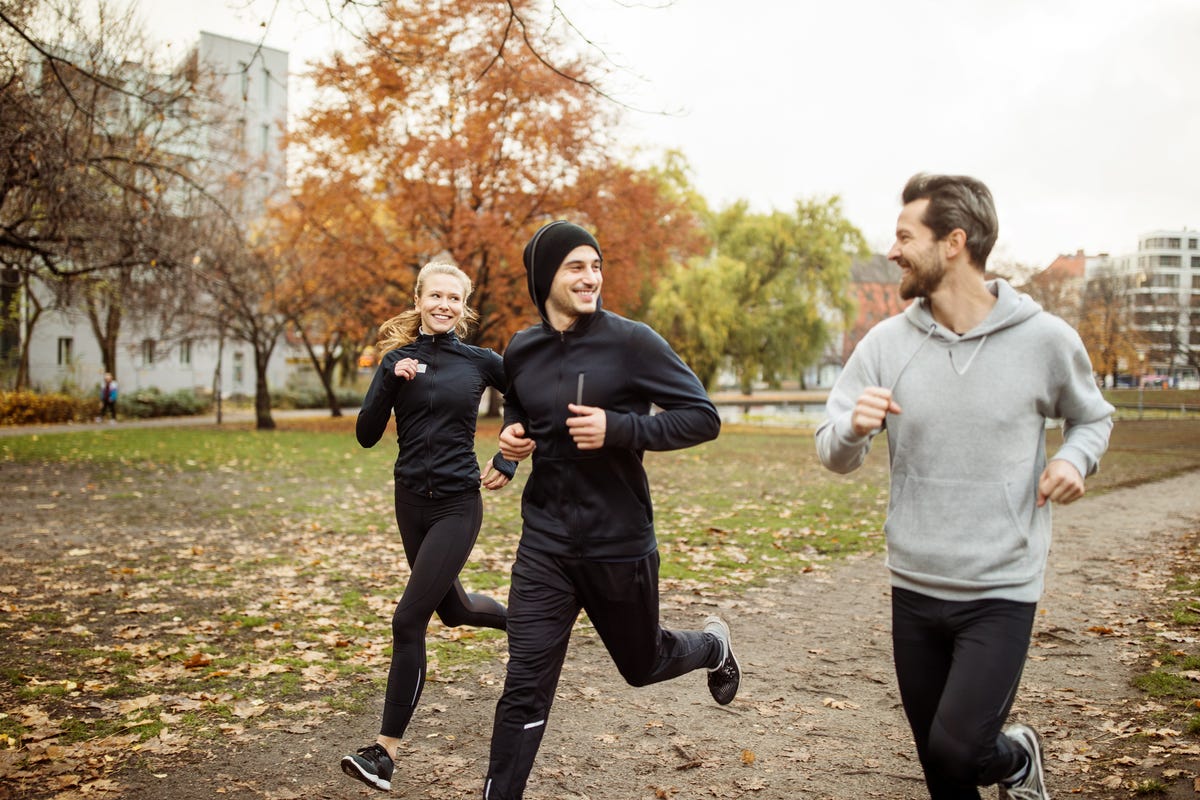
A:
[(648, 220), (329, 313), (458, 131)]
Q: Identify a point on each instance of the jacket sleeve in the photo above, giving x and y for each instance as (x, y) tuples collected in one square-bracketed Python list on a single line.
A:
[(493, 367), (1086, 415), (513, 410), (838, 446), (377, 405), (688, 417), (506, 468)]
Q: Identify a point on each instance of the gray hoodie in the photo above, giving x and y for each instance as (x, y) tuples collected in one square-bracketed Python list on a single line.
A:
[(969, 445)]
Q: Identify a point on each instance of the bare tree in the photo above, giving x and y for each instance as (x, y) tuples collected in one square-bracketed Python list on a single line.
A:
[(98, 151), (244, 287), (1107, 324)]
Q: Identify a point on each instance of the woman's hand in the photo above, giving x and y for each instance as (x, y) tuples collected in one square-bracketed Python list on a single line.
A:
[(492, 478), (406, 368)]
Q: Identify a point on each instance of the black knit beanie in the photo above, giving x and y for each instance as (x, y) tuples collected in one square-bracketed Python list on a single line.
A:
[(545, 253)]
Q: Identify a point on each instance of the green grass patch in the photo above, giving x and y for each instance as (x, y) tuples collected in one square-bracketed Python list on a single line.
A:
[(1150, 786), (1161, 685), (1185, 615)]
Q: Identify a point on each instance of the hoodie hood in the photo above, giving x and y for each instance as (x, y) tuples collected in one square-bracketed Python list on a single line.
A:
[(545, 254), (1012, 308)]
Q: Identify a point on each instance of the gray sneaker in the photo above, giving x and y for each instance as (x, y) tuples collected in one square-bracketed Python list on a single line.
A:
[(1033, 785), (724, 679)]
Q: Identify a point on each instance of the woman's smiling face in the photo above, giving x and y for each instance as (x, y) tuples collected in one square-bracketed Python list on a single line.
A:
[(441, 303)]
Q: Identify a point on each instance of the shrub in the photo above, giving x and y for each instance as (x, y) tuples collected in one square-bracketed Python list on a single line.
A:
[(33, 408), (314, 397), (152, 402)]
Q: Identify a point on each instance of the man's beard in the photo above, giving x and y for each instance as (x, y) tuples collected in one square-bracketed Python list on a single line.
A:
[(924, 280)]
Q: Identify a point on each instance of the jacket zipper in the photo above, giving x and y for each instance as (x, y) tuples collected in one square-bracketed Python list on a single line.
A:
[(431, 374), (564, 396)]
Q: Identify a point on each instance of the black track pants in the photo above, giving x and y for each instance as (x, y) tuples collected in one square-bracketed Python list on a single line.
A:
[(438, 536), (547, 593), (958, 665)]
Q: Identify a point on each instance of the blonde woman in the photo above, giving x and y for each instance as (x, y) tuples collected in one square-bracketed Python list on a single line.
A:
[(432, 382)]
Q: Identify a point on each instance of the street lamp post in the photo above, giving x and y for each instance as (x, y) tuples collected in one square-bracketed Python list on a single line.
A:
[(1141, 354)]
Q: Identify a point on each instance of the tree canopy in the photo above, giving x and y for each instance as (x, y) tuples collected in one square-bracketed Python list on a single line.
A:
[(775, 293), (449, 137)]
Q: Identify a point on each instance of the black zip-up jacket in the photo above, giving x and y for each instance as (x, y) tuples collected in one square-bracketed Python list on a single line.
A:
[(435, 412), (596, 503)]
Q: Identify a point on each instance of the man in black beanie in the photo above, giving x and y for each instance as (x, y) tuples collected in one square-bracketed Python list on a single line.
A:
[(580, 387)]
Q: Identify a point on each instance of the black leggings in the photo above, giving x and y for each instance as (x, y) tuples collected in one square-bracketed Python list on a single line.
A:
[(438, 536), (547, 593), (958, 665)]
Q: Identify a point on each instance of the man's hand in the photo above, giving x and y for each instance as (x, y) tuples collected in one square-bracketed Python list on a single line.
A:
[(1060, 483), (588, 426), (514, 444), (493, 478), (872, 408)]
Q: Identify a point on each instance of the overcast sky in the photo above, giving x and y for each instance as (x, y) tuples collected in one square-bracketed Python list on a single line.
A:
[(1083, 116)]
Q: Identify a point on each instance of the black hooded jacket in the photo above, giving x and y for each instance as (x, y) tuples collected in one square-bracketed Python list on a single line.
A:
[(596, 503), (435, 412)]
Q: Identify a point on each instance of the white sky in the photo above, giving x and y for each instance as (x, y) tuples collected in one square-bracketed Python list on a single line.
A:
[(1083, 116)]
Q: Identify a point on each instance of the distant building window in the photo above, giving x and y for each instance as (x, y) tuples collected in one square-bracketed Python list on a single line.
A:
[(1167, 281), (239, 368), (65, 345), (1163, 243), (1167, 261), (266, 138), (185, 352), (1192, 244), (244, 74), (147, 351), (1195, 262), (1195, 281)]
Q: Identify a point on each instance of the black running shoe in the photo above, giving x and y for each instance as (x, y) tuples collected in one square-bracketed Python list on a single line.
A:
[(371, 765), (723, 681)]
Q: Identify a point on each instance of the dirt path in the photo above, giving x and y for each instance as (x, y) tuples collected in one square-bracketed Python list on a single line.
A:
[(818, 715)]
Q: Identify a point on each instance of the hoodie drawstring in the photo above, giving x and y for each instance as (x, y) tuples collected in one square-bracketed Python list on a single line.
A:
[(932, 328), (966, 366)]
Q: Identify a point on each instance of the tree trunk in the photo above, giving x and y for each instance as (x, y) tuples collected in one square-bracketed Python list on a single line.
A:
[(217, 388), (494, 401), (262, 396), (324, 370), (32, 312)]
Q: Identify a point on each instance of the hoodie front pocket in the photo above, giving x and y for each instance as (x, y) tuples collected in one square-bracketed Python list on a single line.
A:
[(961, 532)]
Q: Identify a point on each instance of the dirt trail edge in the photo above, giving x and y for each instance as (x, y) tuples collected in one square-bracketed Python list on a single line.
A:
[(818, 714)]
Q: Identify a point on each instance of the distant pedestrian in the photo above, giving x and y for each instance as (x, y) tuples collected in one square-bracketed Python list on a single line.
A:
[(587, 540), (964, 381), (108, 397), (432, 382)]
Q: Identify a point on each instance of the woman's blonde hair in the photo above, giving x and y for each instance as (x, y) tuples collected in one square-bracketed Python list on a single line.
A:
[(404, 327)]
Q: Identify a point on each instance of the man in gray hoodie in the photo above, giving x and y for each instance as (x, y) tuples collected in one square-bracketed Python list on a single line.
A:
[(963, 381)]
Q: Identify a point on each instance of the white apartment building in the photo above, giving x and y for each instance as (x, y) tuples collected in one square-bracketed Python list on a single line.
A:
[(64, 354), (1164, 290), (1167, 301)]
